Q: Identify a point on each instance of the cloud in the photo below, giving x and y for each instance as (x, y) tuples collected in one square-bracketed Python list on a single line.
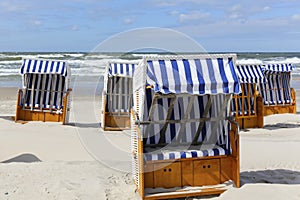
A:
[(266, 8), (296, 17), (11, 6), (75, 28), (194, 16), (37, 22), (128, 21)]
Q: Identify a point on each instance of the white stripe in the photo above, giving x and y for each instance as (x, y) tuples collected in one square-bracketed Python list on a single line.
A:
[(170, 75), (194, 75), (217, 74)]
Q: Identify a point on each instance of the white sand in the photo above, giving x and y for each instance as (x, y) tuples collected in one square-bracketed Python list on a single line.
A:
[(79, 161)]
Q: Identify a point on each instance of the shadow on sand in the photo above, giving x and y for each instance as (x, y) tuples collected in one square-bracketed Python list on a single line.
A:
[(281, 125), (25, 158), (8, 118), (277, 176), (84, 125)]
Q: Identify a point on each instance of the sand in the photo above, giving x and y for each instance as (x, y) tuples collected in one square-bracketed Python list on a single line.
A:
[(80, 161)]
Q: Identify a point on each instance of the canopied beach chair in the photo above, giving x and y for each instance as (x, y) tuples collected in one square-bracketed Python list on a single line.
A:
[(183, 140), (248, 113), (117, 95), (45, 93), (278, 96)]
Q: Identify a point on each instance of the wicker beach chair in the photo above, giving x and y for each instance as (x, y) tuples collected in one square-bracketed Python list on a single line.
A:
[(117, 95), (278, 96), (45, 95), (183, 140), (247, 112)]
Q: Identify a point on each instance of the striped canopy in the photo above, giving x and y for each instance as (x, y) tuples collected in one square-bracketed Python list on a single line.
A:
[(203, 74), (121, 69), (250, 73), (44, 67), (278, 68)]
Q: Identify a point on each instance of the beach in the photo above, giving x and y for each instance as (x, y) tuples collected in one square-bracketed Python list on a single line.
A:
[(79, 161)]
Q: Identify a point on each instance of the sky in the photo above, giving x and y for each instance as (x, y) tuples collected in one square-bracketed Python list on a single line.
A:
[(217, 26)]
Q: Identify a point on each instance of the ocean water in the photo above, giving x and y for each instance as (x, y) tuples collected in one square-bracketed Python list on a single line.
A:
[(90, 67)]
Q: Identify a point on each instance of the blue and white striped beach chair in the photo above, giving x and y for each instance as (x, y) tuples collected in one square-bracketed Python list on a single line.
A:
[(244, 105), (117, 95), (181, 132), (45, 92), (278, 96)]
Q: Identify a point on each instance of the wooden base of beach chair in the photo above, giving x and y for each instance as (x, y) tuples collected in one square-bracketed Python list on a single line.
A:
[(27, 115), (281, 109), (185, 193), (116, 122), (176, 176), (253, 121), (23, 115)]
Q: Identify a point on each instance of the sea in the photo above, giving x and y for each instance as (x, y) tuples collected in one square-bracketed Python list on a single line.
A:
[(88, 68)]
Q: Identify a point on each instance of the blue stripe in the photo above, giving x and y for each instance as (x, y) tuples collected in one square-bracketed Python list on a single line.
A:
[(194, 154), (115, 68), (200, 77), (132, 69), (34, 66), (40, 66), (212, 77), (201, 108), (188, 75), (52, 66), (164, 76), (46, 66), (110, 69), (223, 75), (160, 156), (176, 75), (172, 155), (121, 69), (216, 152), (182, 154), (28, 68), (236, 89), (205, 153), (172, 125), (152, 75)]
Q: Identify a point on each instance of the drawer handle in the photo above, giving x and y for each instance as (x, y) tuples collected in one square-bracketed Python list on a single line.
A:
[(208, 166), (165, 170)]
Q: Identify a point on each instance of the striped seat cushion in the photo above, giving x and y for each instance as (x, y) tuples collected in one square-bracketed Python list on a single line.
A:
[(179, 152)]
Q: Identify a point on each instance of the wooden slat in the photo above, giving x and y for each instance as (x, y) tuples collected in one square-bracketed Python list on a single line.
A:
[(214, 137), (169, 114), (186, 114), (174, 121), (201, 124), (150, 116), (32, 92)]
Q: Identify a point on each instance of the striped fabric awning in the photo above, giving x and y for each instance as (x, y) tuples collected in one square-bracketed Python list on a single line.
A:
[(250, 74), (121, 69), (37, 66), (203, 74), (271, 68)]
